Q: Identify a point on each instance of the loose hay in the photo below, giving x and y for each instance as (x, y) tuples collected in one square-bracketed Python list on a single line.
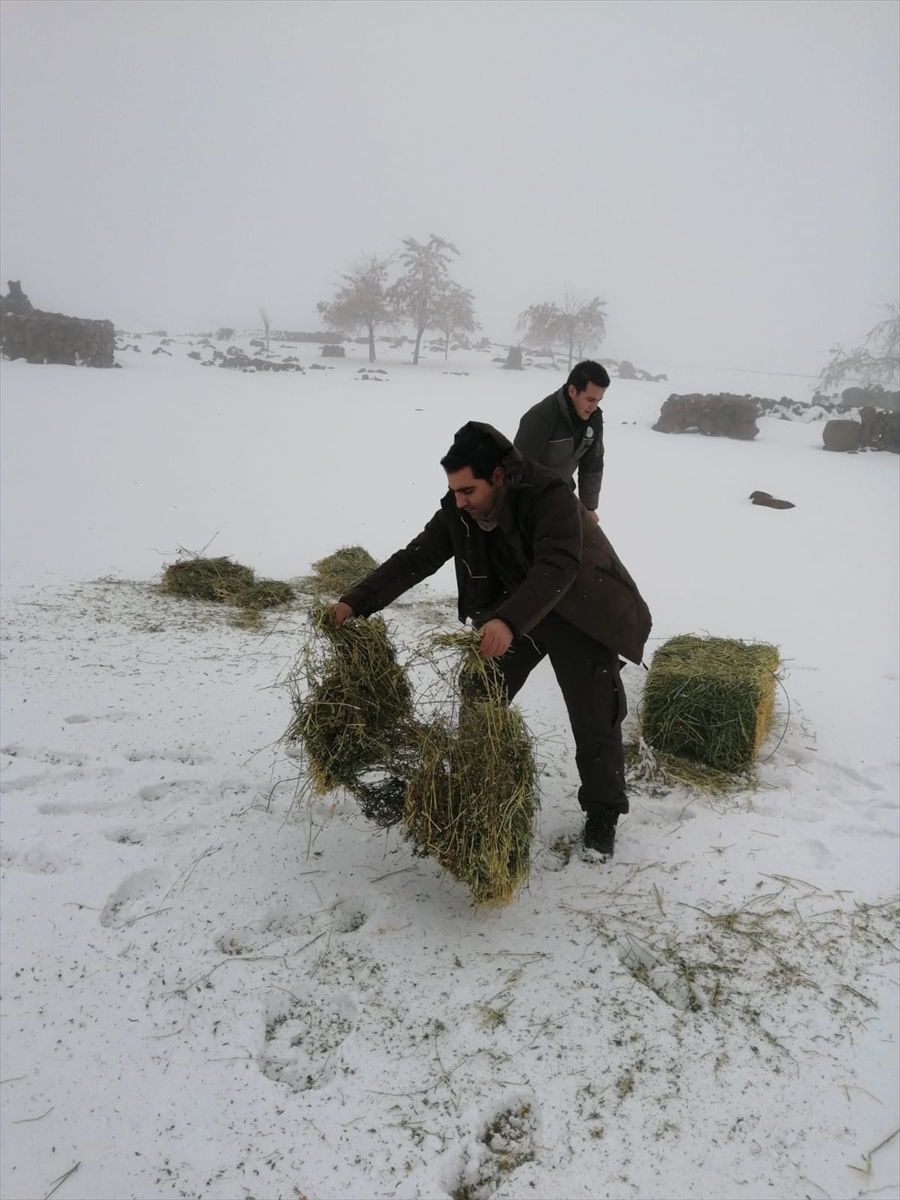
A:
[(710, 701), (464, 783), (470, 803), (353, 711), (337, 573), (224, 582)]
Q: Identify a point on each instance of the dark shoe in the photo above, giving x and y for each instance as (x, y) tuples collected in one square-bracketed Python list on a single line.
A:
[(599, 837)]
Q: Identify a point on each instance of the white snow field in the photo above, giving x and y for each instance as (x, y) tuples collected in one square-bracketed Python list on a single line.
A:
[(209, 991)]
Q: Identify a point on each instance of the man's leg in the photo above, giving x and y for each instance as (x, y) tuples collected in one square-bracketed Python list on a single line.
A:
[(517, 664), (513, 669), (588, 677)]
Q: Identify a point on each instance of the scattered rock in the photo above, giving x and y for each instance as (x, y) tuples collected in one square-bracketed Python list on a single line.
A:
[(842, 435), (715, 416), (769, 501), (514, 359)]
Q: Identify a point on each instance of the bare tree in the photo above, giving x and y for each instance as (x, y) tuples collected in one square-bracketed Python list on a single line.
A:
[(360, 301), (876, 361), (417, 294), (578, 324), (454, 313), (266, 325)]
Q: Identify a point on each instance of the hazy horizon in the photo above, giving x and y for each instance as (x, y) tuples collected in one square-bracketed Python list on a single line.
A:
[(724, 175)]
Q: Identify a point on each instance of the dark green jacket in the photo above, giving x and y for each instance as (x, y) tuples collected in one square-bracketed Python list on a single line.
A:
[(546, 554), (551, 434)]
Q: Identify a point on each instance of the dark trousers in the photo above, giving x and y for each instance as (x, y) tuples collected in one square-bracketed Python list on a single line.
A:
[(588, 676)]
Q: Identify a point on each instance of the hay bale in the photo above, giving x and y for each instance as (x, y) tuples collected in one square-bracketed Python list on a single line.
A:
[(710, 700), (224, 582), (337, 573), (353, 710), (470, 801), (206, 578)]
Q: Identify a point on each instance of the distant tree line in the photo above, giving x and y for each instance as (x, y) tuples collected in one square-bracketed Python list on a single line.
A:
[(414, 287), (366, 299)]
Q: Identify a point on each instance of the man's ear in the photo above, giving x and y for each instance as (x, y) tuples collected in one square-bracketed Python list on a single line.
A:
[(499, 477), (571, 391)]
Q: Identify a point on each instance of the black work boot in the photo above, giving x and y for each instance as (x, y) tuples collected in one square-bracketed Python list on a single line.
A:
[(599, 836)]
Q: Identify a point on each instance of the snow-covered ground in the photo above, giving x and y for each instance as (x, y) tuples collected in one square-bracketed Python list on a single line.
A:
[(207, 993)]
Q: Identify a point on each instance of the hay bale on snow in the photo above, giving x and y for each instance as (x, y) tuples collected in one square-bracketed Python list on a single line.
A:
[(710, 700), (337, 573), (224, 582)]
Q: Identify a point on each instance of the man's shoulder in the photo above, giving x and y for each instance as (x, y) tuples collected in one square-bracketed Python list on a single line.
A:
[(545, 409), (539, 484)]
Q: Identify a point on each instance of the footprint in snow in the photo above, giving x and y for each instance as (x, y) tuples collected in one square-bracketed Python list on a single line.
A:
[(304, 1036), (41, 754), (112, 714), (661, 976), (131, 899), (349, 914), (125, 836), (176, 789), (86, 808), (35, 860), (506, 1139), (191, 758)]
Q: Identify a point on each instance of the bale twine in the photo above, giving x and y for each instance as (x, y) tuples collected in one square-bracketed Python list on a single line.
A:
[(710, 700)]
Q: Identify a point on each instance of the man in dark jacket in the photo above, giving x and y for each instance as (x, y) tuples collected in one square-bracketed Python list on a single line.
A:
[(564, 432), (539, 579)]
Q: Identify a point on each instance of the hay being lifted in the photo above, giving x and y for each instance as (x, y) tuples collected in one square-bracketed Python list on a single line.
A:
[(353, 712), (470, 802), (224, 582), (710, 700), (337, 573)]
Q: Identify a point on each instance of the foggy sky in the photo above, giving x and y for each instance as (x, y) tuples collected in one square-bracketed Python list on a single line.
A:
[(724, 174)]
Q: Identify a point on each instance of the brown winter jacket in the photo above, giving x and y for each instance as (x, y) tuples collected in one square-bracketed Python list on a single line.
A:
[(561, 558), (549, 434)]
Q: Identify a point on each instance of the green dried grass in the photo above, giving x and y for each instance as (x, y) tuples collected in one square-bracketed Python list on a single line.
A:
[(709, 701), (224, 582), (337, 573), (353, 708), (470, 803)]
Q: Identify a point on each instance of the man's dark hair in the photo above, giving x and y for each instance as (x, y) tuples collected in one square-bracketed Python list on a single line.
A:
[(473, 448), (587, 372)]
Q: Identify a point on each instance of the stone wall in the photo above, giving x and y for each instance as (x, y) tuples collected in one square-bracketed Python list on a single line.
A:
[(317, 339), (875, 430), (54, 338), (44, 337), (714, 416)]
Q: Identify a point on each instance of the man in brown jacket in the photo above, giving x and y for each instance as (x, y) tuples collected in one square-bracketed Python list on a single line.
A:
[(540, 579), (564, 432)]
